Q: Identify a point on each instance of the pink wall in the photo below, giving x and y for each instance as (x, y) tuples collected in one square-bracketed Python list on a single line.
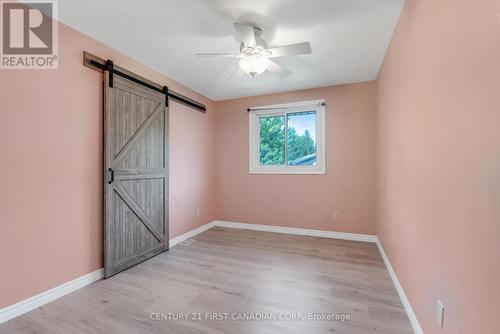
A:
[(434, 128), (51, 151), (304, 201), (438, 180)]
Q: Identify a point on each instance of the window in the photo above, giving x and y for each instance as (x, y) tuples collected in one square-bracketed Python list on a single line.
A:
[(288, 138)]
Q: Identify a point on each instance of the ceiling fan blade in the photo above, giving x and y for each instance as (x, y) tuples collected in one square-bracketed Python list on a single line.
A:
[(289, 50), (278, 70), (247, 34), (225, 55)]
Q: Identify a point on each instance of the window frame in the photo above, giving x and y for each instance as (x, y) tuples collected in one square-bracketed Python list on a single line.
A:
[(282, 110)]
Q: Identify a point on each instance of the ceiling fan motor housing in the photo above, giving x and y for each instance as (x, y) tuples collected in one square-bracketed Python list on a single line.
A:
[(260, 45), (255, 58)]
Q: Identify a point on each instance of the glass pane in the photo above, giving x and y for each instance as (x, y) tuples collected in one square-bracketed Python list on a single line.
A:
[(272, 140), (301, 138)]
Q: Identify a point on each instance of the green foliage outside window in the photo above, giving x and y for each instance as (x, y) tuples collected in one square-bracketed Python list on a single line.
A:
[(299, 146), (272, 142)]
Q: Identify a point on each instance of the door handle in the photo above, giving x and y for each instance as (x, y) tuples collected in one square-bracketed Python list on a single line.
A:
[(111, 175)]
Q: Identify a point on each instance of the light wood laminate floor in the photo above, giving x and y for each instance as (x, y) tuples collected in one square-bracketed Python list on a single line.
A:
[(242, 273)]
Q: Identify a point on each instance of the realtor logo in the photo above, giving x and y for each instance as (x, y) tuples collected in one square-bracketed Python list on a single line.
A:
[(29, 35)]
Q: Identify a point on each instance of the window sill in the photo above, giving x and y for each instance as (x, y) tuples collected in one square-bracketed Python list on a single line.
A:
[(284, 170)]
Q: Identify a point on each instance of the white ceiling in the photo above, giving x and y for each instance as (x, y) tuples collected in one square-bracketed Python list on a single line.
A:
[(349, 38)]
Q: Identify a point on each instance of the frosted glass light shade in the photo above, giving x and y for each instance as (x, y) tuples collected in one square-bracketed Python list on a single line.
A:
[(254, 65)]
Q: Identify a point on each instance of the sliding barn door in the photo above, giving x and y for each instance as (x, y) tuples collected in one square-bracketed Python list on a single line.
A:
[(136, 174)]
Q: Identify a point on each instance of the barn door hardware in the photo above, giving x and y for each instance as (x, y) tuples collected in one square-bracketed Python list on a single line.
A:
[(101, 65), (111, 175)]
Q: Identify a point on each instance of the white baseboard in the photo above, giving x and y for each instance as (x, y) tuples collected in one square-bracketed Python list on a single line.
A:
[(40, 299), (336, 235), (404, 300), (190, 234), (298, 231), (32, 303), (45, 297)]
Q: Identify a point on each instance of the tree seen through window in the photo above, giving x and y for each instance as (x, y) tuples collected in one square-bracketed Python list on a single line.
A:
[(300, 141)]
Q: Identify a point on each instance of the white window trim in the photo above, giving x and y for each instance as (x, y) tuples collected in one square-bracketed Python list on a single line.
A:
[(279, 109)]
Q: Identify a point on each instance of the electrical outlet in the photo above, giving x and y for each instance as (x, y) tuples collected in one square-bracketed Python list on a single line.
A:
[(336, 216), (440, 313), (197, 212)]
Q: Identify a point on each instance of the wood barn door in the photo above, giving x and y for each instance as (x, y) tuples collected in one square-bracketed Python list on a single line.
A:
[(136, 174)]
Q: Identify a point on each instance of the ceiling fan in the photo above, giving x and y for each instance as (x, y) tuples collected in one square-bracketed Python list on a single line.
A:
[(254, 57)]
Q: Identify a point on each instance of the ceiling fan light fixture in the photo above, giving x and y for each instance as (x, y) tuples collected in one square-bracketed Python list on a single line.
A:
[(254, 65), (254, 54)]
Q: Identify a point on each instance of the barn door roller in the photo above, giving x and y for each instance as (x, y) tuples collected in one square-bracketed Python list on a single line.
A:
[(101, 65)]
